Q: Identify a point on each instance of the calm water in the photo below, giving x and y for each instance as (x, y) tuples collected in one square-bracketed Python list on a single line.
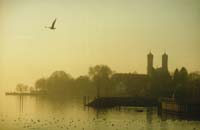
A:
[(40, 113)]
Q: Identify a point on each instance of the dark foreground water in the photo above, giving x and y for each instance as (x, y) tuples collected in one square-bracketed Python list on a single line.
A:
[(39, 113)]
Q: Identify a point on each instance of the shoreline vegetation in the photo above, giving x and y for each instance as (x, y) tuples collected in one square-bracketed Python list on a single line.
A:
[(118, 89)]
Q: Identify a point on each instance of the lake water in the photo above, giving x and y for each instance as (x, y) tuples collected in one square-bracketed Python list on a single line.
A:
[(40, 113)]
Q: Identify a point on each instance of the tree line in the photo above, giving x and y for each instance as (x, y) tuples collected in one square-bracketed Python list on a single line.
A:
[(101, 81)]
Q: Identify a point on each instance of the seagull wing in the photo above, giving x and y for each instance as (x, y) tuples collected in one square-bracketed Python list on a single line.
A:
[(53, 24)]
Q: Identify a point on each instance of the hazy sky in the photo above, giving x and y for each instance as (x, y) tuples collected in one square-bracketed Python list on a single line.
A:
[(118, 33)]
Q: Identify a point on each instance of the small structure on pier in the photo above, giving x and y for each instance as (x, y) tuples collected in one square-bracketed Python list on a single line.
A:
[(183, 108)]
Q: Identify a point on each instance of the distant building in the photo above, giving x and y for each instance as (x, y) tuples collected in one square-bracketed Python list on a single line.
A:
[(126, 84), (165, 62), (149, 64), (151, 69)]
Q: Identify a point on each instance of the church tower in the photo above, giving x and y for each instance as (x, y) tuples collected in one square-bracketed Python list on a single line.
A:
[(149, 64), (165, 62)]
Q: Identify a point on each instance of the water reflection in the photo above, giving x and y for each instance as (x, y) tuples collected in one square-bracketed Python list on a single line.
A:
[(163, 125), (43, 113), (21, 103), (149, 118)]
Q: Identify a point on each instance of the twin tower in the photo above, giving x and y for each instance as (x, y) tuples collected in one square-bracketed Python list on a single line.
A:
[(150, 67)]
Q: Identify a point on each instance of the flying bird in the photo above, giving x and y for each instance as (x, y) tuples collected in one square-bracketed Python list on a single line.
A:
[(52, 26)]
